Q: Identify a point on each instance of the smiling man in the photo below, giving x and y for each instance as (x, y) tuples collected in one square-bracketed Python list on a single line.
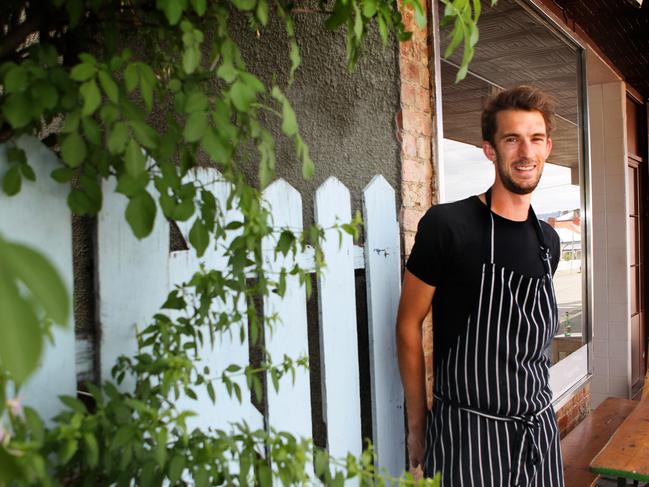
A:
[(486, 265)]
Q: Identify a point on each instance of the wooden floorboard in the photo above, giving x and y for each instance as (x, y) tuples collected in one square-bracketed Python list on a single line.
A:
[(584, 442)]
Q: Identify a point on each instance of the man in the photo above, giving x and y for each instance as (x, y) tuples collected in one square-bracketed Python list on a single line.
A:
[(486, 265)]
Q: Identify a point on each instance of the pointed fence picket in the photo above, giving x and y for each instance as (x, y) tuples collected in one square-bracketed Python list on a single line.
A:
[(383, 278), (39, 217), (338, 339), (289, 408), (134, 277)]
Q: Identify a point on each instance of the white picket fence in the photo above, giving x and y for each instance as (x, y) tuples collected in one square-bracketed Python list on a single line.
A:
[(134, 278)]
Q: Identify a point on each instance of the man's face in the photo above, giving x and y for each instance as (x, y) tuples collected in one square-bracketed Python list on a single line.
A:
[(521, 148)]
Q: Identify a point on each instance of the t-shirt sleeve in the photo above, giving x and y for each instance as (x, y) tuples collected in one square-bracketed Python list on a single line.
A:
[(427, 257)]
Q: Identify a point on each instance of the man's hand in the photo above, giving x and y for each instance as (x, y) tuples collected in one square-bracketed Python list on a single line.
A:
[(416, 443)]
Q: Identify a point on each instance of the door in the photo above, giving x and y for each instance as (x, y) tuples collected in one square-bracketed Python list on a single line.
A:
[(636, 224)]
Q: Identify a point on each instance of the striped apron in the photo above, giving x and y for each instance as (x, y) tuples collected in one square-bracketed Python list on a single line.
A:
[(492, 422)]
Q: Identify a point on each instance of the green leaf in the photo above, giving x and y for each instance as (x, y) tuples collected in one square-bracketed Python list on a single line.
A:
[(211, 393), (131, 77), (45, 94), (83, 72), (369, 8), (12, 181), (131, 185), (21, 344), (245, 5), (201, 477), (74, 404), (109, 86), (91, 130), (227, 72), (123, 436), (145, 134), (91, 450), (27, 171), (242, 96), (218, 150), (195, 127), (358, 22), (9, 467), (173, 9), (17, 110), (73, 149), (62, 174), (289, 121), (199, 237), (15, 79), (41, 279), (191, 59), (176, 467), (117, 138), (262, 12), (91, 97), (196, 102), (200, 6), (286, 239), (140, 214), (134, 159)]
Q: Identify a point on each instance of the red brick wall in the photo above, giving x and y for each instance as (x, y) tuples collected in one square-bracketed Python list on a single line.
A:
[(416, 129), (575, 410)]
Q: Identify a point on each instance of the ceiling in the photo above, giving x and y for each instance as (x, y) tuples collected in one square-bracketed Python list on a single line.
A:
[(620, 28), (515, 47)]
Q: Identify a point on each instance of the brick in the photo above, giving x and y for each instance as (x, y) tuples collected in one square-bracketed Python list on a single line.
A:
[(418, 123), (408, 242), (408, 95), (410, 71), (417, 171), (422, 99), (407, 49), (424, 76), (409, 145), (411, 217), (424, 148)]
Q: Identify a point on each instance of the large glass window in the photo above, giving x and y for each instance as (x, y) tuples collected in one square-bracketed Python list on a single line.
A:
[(517, 46)]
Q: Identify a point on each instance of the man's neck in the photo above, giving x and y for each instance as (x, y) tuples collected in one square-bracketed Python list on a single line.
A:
[(509, 205)]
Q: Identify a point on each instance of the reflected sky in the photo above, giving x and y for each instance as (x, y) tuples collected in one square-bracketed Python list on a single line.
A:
[(467, 172)]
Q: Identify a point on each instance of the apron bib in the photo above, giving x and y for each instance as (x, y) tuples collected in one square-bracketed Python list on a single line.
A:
[(492, 422)]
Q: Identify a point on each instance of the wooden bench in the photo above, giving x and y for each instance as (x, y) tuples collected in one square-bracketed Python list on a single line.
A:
[(584, 442)]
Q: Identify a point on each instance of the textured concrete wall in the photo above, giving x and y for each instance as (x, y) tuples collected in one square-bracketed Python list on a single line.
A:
[(347, 120)]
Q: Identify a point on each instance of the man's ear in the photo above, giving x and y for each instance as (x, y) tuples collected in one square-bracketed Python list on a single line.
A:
[(549, 147), (489, 150)]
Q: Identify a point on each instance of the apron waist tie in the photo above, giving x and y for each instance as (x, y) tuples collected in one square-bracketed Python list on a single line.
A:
[(530, 424)]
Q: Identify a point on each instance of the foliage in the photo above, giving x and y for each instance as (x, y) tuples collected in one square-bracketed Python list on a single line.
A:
[(464, 15), (145, 117)]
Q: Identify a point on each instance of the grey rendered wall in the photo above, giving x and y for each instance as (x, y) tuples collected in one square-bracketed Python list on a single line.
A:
[(346, 119)]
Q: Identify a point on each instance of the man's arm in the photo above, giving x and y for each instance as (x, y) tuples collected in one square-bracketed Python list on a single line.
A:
[(416, 298)]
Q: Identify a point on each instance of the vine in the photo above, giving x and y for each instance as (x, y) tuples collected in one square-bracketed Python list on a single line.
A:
[(66, 77)]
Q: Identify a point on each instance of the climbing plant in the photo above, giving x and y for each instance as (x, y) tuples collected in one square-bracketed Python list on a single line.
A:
[(67, 77)]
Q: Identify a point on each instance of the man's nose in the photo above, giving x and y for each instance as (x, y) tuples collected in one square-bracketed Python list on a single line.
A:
[(525, 148)]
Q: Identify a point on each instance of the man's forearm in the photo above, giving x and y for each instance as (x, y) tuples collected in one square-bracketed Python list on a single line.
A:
[(413, 371)]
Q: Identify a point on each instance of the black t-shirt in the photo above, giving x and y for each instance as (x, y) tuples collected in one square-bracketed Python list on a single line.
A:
[(451, 245)]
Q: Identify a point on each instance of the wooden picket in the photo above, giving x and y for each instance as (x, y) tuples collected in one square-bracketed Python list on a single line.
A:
[(383, 278), (289, 408), (338, 340), (39, 217), (134, 277)]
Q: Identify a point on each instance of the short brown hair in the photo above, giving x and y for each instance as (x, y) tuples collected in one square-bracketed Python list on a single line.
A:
[(519, 98)]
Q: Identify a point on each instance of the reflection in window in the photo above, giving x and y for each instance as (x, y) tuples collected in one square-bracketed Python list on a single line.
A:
[(516, 47)]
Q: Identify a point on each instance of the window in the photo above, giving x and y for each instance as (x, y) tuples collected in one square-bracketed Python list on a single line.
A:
[(519, 46)]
